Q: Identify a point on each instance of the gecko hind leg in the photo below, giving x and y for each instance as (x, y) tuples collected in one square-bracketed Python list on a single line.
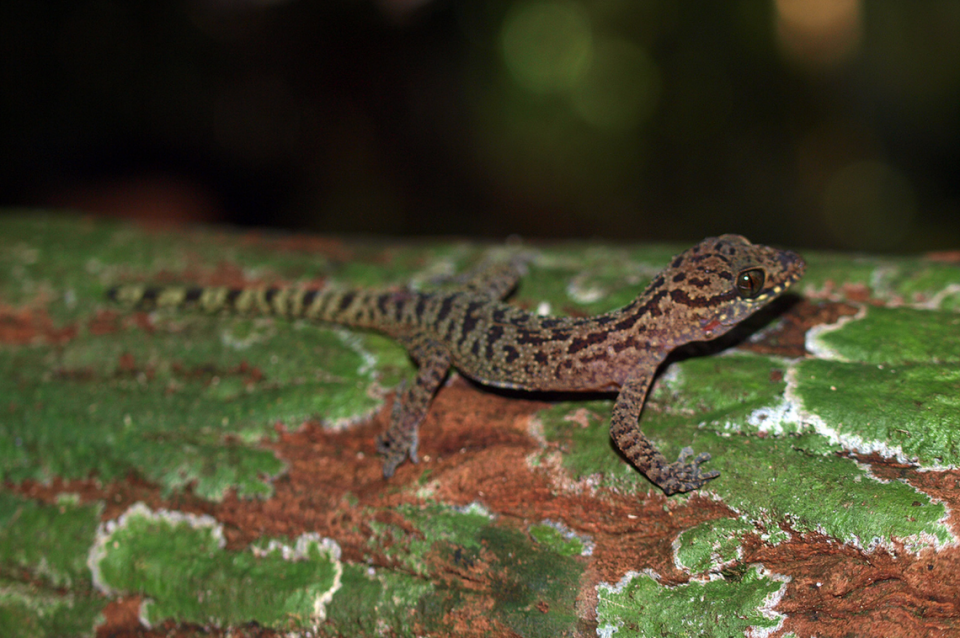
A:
[(412, 402), (683, 475)]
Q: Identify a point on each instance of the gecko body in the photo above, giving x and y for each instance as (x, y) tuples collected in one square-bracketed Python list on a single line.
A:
[(702, 294)]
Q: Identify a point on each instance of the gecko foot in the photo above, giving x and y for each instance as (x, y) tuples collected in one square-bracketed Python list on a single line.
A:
[(400, 440), (684, 476), (395, 451)]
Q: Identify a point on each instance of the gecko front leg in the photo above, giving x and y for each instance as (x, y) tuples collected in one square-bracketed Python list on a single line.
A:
[(680, 476), (412, 402)]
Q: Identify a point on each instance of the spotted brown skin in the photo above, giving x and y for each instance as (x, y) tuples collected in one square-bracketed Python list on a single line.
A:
[(703, 293)]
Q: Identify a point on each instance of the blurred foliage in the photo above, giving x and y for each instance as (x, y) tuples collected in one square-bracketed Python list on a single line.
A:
[(830, 123)]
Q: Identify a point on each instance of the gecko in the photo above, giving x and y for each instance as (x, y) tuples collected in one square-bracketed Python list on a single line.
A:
[(702, 294)]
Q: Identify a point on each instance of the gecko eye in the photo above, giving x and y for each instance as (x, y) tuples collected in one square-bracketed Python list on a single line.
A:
[(750, 283)]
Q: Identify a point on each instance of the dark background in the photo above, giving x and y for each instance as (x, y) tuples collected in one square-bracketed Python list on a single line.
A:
[(812, 123)]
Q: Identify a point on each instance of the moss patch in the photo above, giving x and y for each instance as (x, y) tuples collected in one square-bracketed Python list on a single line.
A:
[(640, 606), (51, 542), (178, 562), (530, 587), (710, 546), (28, 611)]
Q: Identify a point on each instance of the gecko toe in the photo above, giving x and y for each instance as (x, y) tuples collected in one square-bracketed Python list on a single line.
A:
[(685, 474), (394, 452), (388, 469)]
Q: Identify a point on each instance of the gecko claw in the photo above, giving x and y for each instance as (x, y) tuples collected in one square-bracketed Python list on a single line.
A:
[(685, 475)]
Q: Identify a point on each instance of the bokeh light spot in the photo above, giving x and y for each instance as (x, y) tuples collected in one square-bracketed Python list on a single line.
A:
[(546, 45), (819, 34), (869, 205), (621, 88)]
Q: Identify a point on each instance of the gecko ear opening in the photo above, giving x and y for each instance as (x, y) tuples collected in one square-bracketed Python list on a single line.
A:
[(750, 283)]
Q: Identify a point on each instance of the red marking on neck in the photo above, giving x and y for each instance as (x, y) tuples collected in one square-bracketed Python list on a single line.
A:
[(711, 325)]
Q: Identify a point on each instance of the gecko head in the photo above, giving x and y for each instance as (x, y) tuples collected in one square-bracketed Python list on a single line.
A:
[(722, 280)]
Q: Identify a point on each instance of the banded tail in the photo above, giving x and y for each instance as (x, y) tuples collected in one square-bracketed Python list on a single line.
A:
[(344, 306)]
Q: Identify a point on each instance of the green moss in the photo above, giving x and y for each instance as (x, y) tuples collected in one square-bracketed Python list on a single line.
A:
[(772, 480), (900, 410), (28, 611), (435, 524), (900, 280), (370, 601), (896, 387), (187, 400), (122, 424), (587, 450), (710, 545), (828, 272), (534, 590), (191, 388), (50, 542), (640, 606), (178, 562), (921, 281), (533, 586), (726, 394), (892, 336), (557, 539), (50, 545)]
